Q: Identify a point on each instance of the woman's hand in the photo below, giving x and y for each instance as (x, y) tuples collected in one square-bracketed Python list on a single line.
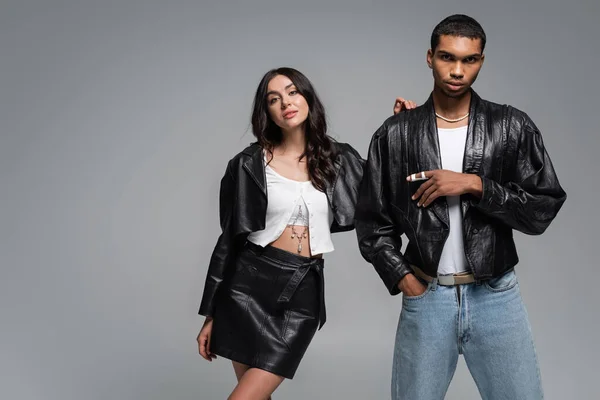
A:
[(203, 340), (402, 104)]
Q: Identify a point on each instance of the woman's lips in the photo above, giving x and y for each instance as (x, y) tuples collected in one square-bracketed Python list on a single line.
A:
[(290, 114)]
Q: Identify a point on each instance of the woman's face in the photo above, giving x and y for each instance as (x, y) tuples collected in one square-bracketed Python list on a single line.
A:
[(287, 107)]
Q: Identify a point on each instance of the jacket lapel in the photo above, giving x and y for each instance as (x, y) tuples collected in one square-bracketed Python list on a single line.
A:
[(429, 157), (255, 166), (475, 142)]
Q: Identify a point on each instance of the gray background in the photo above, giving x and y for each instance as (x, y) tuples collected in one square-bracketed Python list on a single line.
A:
[(117, 119)]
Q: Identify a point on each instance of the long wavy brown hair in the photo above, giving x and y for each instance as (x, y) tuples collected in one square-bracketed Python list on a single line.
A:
[(319, 150)]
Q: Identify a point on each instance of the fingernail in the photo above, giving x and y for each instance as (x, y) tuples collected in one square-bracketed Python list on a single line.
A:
[(413, 197)]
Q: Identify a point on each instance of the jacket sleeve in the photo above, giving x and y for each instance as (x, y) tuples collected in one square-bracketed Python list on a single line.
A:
[(379, 237), (346, 189), (224, 250), (530, 201)]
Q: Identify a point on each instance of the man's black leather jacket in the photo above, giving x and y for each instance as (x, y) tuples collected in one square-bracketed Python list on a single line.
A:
[(243, 208), (520, 191)]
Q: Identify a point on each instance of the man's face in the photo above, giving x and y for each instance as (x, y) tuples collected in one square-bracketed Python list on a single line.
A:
[(455, 64)]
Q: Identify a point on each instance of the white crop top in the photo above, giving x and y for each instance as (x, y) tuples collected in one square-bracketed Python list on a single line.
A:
[(285, 198), (299, 216)]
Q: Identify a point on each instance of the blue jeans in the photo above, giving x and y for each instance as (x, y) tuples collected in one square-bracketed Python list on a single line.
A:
[(487, 323)]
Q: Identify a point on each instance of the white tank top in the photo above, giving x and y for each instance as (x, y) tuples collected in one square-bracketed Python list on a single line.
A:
[(452, 149), (287, 199)]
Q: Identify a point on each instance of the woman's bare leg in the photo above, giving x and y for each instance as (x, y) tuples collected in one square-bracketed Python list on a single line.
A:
[(254, 383), (240, 369)]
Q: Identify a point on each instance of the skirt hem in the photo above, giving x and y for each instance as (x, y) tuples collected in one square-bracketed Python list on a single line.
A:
[(243, 359)]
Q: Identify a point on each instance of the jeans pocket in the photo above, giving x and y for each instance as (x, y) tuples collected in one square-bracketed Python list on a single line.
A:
[(501, 283), (419, 297)]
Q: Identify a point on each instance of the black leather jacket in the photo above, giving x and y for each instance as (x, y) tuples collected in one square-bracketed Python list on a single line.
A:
[(243, 208), (520, 191)]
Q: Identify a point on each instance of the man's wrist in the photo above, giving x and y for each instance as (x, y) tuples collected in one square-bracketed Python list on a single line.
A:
[(403, 279), (475, 186)]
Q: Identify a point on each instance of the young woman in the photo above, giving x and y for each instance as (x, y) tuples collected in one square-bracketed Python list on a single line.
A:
[(263, 298)]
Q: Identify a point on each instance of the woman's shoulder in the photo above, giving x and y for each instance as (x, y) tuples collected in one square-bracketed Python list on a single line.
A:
[(244, 155), (346, 151), (236, 163)]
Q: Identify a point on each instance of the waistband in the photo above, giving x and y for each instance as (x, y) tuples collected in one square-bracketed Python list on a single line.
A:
[(293, 260), (462, 278), (303, 265)]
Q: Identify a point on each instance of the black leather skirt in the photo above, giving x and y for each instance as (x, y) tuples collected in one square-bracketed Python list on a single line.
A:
[(268, 312)]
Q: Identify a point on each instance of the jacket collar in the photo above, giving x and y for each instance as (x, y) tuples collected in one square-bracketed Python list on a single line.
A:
[(255, 167), (429, 144)]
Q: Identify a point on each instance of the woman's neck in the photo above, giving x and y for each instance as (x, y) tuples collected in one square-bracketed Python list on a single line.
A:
[(293, 142)]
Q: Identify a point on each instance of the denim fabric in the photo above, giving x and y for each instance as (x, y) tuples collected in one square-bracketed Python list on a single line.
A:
[(487, 323)]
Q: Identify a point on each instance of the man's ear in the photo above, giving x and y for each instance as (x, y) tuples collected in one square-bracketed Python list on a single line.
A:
[(429, 58)]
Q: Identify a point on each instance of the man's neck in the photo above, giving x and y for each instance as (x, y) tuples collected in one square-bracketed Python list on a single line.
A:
[(451, 107)]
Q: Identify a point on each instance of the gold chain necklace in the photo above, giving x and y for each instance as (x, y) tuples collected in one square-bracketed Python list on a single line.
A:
[(452, 120)]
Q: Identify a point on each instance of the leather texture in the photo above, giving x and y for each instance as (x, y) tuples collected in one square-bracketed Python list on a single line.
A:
[(270, 309), (520, 192), (243, 205)]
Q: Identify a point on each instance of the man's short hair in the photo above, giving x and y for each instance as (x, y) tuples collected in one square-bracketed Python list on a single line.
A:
[(458, 25)]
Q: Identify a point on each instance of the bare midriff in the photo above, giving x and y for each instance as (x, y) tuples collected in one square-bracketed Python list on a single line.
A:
[(287, 243)]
